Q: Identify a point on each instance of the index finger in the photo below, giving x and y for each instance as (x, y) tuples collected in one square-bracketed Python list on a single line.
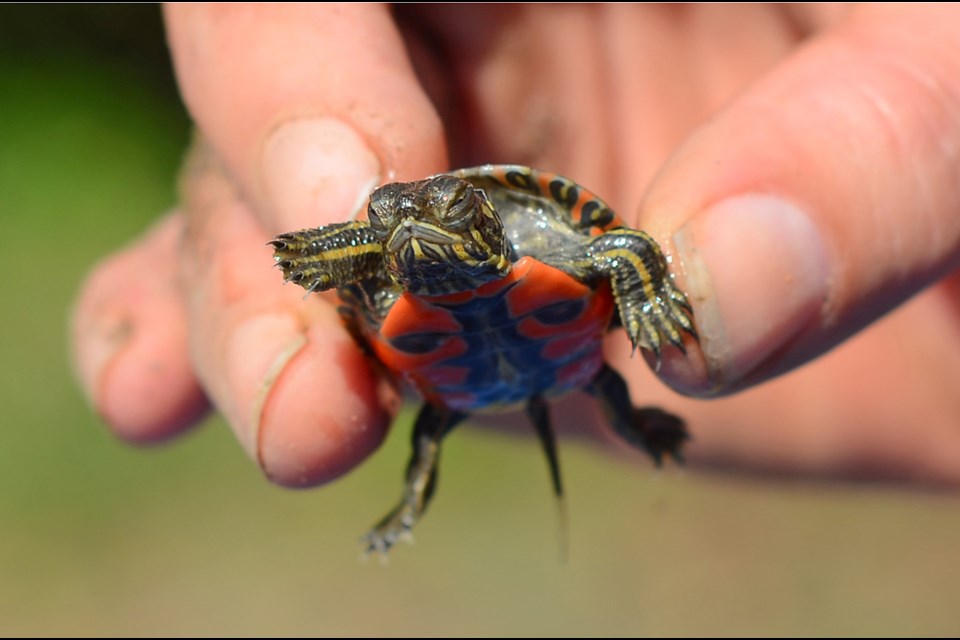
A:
[(308, 106)]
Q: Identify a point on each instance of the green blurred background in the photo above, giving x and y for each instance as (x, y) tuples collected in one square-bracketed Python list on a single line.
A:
[(100, 538)]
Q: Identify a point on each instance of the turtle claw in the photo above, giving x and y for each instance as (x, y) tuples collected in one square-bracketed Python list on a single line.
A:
[(658, 324), (666, 319)]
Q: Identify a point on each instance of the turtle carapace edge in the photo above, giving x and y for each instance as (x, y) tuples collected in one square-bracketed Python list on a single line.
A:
[(493, 287)]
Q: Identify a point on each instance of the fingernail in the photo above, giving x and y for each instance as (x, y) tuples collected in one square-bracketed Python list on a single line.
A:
[(318, 416), (99, 340), (317, 171), (253, 372), (757, 272)]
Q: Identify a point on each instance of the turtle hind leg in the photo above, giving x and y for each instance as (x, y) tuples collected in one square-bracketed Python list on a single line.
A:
[(432, 424), (656, 432), (652, 310)]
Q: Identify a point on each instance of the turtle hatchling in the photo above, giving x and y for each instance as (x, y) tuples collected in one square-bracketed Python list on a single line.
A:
[(489, 288)]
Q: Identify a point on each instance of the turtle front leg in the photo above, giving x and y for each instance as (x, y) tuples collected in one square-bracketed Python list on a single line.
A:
[(652, 309), (656, 432), (329, 257), (432, 424)]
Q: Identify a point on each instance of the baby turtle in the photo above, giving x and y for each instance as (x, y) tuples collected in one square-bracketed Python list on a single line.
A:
[(492, 287)]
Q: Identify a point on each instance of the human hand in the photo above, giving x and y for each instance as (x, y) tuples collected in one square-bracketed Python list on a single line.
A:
[(798, 208)]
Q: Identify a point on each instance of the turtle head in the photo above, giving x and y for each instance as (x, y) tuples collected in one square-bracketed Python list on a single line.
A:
[(440, 235)]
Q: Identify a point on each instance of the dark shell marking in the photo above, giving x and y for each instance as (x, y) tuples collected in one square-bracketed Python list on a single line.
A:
[(585, 210), (489, 287)]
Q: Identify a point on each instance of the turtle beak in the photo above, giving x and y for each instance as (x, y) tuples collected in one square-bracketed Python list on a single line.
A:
[(411, 229)]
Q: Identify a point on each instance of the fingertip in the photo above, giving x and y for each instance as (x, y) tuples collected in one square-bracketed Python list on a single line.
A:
[(306, 443), (757, 274), (308, 106), (148, 394), (315, 171), (130, 345)]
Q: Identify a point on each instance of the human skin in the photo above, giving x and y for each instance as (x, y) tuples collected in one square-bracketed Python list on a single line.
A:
[(799, 165)]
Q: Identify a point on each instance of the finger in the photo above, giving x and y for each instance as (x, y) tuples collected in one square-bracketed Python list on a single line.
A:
[(822, 198), (291, 382), (309, 106), (130, 340)]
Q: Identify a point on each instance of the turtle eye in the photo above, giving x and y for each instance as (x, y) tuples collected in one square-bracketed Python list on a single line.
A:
[(461, 210), (382, 210), (379, 219)]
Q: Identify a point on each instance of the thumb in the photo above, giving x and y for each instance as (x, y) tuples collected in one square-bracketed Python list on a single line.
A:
[(821, 199)]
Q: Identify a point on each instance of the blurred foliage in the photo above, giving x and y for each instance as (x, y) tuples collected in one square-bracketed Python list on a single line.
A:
[(97, 538)]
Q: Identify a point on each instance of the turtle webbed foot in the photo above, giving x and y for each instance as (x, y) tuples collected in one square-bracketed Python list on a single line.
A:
[(661, 433), (394, 527), (652, 430)]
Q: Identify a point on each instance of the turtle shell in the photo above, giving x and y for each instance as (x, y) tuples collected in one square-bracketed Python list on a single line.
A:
[(539, 330)]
